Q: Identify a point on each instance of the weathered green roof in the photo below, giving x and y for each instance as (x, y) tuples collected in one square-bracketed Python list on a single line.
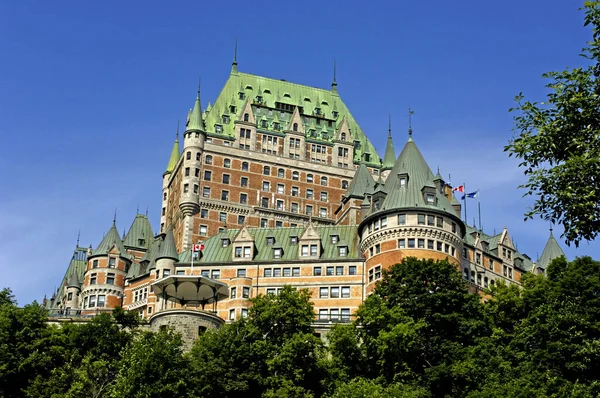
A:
[(77, 267), (412, 163), (551, 251), (273, 90), (74, 280), (167, 247), (214, 252), (389, 159), (110, 239), (140, 230), (175, 155), (196, 123), (362, 183)]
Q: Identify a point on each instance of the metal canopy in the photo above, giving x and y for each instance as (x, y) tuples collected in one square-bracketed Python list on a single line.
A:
[(190, 289)]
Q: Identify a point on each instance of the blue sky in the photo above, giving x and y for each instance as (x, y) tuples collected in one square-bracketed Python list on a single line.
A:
[(90, 95)]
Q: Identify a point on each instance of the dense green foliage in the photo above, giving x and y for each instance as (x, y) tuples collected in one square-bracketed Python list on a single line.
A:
[(420, 334), (558, 143)]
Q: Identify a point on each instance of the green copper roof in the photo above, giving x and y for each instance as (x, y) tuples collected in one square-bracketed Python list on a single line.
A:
[(389, 158), (140, 233), (196, 123), (214, 252), (74, 281), (272, 91), (412, 163), (362, 183), (167, 247), (551, 251), (110, 239), (174, 158), (77, 267)]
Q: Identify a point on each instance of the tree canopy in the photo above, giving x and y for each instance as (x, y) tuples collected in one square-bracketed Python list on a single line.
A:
[(558, 143)]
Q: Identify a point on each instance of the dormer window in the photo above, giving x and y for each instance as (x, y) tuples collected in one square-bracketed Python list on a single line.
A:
[(343, 137), (317, 111), (218, 128), (270, 240), (225, 242), (293, 240), (241, 95), (246, 117), (335, 239), (225, 119), (334, 114), (343, 251), (232, 108), (377, 204), (430, 198), (141, 242), (275, 126), (259, 98), (277, 252)]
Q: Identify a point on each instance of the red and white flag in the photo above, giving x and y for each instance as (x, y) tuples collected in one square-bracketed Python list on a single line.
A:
[(460, 188), (198, 247)]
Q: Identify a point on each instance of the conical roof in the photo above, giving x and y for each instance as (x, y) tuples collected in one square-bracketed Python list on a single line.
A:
[(390, 154), (140, 233), (361, 183), (74, 281), (167, 247), (110, 239), (551, 251), (196, 123), (174, 158), (412, 164)]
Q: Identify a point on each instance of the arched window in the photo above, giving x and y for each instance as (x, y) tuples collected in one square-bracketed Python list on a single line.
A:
[(344, 184), (309, 178), (343, 136), (188, 155), (208, 159), (466, 273), (295, 127), (266, 170), (246, 117), (324, 180), (280, 173), (244, 166), (295, 176)]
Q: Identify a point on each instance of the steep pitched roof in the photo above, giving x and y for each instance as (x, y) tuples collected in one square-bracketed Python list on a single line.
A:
[(77, 266), (412, 163), (389, 159), (167, 247), (175, 155), (272, 91), (551, 251), (196, 123), (140, 233), (74, 281), (362, 183), (111, 238)]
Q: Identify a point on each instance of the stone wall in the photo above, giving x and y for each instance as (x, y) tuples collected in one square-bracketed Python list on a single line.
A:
[(189, 323)]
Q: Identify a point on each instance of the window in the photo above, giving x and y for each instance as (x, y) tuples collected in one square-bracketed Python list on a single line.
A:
[(383, 222), (430, 199), (206, 192), (222, 217), (203, 230), (324, 196), (243, 199), (208, 159), (244, 166), (295, 176), (293, 240), (309, 178), (280, 188), (266, 170), (227, 163), (196, 187), (295, 127), (215, 274), (411, 243), (309, 210), (226, 178), (95, 264), (324, 181), (401, 243), (430, 220), (271, 291), (280, 173), (323, 314), (264, 222), (296, 271), (309, 194), (247, 252), (344, 184), (188, 155), (70, 296), (277, 252), (478, 258), (339, 270), (440, 222), (267, 273), (402, 181), (421, 219), (491, 264), (352, 270), (430, 244), (294, 208), (342, 251), (266, 186), (244, 181), (323, 292), (180, 272), (421, 243), (330, 270), (313, 250), (241, 220), (237, 252), (92, 301), (446, 248), (377, 248), (187, 171), (276, 272), (323, 212), (317, 271), (196, 172), (241, 273), (244, 313), (345, 291), (287, 272), (454, 227), (110, 279), (93, 279), (197, 153), (304, 251), (111, 262), (232, 314), (224, 195), (335, 292), (101, 300), (264, 202), (465, 253), (295, 191)]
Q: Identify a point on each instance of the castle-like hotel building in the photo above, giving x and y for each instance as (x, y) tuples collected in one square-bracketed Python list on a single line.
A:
[(282, 187)]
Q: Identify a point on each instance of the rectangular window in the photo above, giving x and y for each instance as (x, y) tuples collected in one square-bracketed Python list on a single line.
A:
[(317, 271), (401, 243), (226, 178), (271, 291), (324, 196), (241, 220), (377, 248), (203, 230), (277, 253), (222, 217), (224, 195), (280, 188), (313, 250), (241, 273), (244, 313), (101, 301), (345, 291), (186, 188), (93, 279), (277, 272), (323, 314), (92, 301), (246, 292), (232, 314), (264, 222), (421, 219), (454, 227), (440, 222), (309, 194), (244, 181), (335, 292), (295, 191), (266, 186), (279, 205), (421, 243), (411, 243), (207, 175), (309, 210), (296, 271), (431, 220), (304, 251), (339, 270), (330, 270), (95, 264), (110, 279), (401, 219), (187, 171), (287, 272), (215, 274), (352, 270), (342, 251), (383, 222), (196, 188), (111, 262), (323, 292), (206, 192), (264, 202), (205, 273), (247, 252), (232, 292), (267, 273)]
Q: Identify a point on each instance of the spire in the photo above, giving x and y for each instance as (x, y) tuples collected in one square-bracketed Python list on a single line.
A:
[(390, 153), (78, 236), (234, 63), (196, 123), (167, 248), (74, 281), (111, 239), (334, 84), (410, 113), (115, 217), (551, 251), (174, 153)]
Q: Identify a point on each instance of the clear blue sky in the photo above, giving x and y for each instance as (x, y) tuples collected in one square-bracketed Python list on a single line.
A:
[(90, 95)]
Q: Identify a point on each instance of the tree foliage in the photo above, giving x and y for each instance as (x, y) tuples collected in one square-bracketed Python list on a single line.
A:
[(558, 143)]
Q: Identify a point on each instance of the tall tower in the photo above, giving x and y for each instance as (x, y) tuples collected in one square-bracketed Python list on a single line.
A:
[(193, 146), (104, 278), (173, 160)]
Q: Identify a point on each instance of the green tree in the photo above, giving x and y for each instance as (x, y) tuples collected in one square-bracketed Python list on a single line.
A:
[(558, 144), (7, 297)]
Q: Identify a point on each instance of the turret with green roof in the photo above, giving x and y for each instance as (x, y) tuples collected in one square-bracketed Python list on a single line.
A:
[(389, 158), (551, 251), (175, 154)]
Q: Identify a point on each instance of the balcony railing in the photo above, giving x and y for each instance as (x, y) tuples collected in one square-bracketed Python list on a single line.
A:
[(77, 312), (320, 319)]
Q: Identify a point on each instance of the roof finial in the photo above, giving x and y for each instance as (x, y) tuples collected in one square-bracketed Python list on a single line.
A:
[(146, 211), (389, 125), (115, 217), (551, 229), (78, 236), (410, 113), (199, 82), (234, 63), (334, 84), (177, 132), (137, 211)]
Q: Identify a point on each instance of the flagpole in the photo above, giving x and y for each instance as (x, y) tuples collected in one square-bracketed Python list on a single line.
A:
[(465, 202), (479, 209), (192, 266)]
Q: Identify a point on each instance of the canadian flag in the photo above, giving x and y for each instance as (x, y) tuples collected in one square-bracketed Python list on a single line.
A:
[(460, 188), (198, 247)]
